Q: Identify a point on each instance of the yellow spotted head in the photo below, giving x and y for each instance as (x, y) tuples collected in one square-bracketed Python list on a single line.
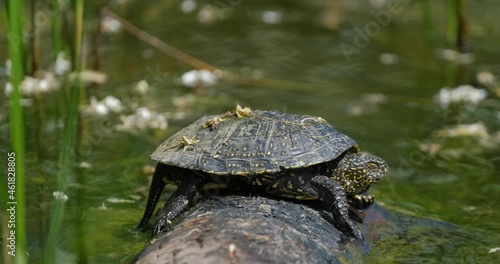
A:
[(356, 171)]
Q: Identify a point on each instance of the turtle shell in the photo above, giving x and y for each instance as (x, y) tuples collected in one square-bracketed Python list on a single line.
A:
[(262, 142)]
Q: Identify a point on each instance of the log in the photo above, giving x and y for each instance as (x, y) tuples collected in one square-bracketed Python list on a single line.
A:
[(242, 229)]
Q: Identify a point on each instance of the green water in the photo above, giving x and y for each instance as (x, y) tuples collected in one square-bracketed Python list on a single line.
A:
[(463, 191)]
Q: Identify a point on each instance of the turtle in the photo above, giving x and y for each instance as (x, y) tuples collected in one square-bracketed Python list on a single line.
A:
[(285, 155)]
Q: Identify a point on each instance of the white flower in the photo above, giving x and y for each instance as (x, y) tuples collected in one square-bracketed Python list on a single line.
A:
[(143, 113), (60, 196), (29, 85), (8, 89), (494, 250), (272, 17), (160, 122), (62, 65), (196, 78), (85, 165), (103, 107), (44, 85), (455, 56), (142, 119), (476, 130), (188, 6), (207, 78), (208, 14), (485, 77), (113, 103), (141, 87), (8, 67), (389, 58), (190, 78), (462, 94), (110, 25)]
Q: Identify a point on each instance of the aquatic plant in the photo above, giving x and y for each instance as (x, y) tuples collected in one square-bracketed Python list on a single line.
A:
[(16, 122)]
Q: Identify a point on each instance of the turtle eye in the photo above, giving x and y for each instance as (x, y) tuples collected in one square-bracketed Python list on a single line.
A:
[(372, 166)]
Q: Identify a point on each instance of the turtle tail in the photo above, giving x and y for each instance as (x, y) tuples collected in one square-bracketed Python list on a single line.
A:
[(155, 191)]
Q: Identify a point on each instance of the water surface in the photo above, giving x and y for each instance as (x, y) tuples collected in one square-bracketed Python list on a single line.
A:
[(387, 108)]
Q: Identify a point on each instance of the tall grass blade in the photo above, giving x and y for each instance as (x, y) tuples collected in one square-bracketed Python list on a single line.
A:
[(57, 38), (427, 20), (451, 21), (67, 154), (16, 123), (66, 160), (77, 59)]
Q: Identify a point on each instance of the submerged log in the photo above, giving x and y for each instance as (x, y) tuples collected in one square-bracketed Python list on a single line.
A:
[(239, 229)]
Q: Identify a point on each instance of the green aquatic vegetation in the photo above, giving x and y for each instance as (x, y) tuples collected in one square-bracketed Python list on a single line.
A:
[(16, 122), (67, 150)]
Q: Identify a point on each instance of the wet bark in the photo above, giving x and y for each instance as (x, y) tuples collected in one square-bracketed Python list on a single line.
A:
[(239, 229)]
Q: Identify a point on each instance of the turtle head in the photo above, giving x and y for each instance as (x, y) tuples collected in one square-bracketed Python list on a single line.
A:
[(356, 171)]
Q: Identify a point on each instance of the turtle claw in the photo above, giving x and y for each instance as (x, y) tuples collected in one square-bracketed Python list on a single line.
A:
[(160, 225), (354, 233), (157, 228), (348, 228)]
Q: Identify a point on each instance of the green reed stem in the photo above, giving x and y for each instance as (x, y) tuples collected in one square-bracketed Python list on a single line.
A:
[(56, 28), (66, 158), (77, 63), (427, 20), (452, 21), (463, 42), (67, 154), (16, 50)]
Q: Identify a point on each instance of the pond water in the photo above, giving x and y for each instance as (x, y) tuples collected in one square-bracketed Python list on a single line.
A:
[(381, 95)]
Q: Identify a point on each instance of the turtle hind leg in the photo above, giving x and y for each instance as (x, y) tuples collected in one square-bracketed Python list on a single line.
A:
[(178, 201), (332, 193), (157, 186)]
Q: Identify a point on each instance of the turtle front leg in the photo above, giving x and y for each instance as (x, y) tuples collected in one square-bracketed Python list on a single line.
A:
[(332, 193), (178, 202)]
